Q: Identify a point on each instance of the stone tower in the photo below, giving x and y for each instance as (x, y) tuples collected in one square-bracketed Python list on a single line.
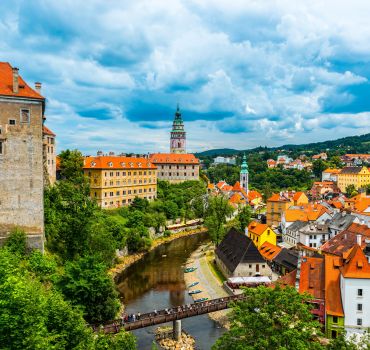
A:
[(178, 134), (244, 175)]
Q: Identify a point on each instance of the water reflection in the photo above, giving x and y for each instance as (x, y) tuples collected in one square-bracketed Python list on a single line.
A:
[(157, 282)]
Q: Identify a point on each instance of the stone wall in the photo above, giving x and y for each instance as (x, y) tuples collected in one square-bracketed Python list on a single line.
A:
[(176, 173), (21, 170)]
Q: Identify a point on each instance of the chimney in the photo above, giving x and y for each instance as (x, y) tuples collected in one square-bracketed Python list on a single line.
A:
[(359, 240), (99, 153), (111, 153), (15, 80), (38, 86)]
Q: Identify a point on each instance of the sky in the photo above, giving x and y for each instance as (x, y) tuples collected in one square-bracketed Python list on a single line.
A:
[(245, 72)]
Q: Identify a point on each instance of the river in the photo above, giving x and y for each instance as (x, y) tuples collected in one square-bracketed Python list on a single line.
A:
[(157, 282)]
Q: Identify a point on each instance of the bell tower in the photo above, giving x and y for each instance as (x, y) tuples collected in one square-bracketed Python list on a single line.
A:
[(244, 175), (178, 134)]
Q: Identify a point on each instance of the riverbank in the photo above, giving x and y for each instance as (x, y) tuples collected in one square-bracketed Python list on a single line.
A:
[(209, 284), (127, 261)]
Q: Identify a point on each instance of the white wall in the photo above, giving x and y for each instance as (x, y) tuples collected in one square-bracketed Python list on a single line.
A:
[(350, 299)]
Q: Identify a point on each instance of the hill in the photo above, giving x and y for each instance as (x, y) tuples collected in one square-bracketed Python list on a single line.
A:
[(349, 144)]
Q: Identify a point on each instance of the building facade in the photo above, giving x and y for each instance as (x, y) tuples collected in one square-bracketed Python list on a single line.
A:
[(115, 181), (21, 157), (176, 168), (244, 175), (357, 176), (49, 151), (178, 134), (261, 233)]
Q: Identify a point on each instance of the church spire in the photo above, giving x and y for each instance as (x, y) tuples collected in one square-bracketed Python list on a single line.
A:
[(178, 134), (244, 174)]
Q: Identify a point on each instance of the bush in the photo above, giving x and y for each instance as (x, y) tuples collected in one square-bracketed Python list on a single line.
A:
[(167, 233)]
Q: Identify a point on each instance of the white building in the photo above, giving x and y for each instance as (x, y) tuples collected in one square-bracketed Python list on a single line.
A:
[(355, 292), (314, 235), (224, 160)]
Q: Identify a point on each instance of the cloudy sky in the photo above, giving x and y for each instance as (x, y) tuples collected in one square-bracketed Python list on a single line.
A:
[(245, 72)]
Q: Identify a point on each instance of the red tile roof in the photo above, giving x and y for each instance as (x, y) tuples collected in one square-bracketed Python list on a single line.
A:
[(257, 228), (269, 251), (333, 300), (312, 277), (297, 195), (116, 162), (174, 158), (6, 84), (356, 264), (47, 131)]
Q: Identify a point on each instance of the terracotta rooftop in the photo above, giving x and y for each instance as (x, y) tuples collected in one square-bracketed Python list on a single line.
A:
[(257, 228), (356, 264), (312, 277), (269, 251), (6, 84), (117, 162), (47, 131), (333, 300), (174, 158)]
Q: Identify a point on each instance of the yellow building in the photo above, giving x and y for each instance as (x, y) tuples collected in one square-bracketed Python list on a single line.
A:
[(278, 203), (115, 181), (352, 175), (261, 233)]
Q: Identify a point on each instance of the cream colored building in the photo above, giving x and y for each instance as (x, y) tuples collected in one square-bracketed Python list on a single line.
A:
[(176, 168), (357, 176), (49, 155), (21, 157), (115, 181)]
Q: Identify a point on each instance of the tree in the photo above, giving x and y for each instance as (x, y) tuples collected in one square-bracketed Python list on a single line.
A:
[(16, 242), (121, 341), (244, 217), (318, 166), (271, 318), (218, 211), (351, 190), (87, 285)]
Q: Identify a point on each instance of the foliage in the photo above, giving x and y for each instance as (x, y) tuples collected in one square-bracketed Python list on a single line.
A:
[(120, 341), (16, 242), (351, 191), (223, 172), (218, 211), (86, 284), (243, 218), (271, 318)]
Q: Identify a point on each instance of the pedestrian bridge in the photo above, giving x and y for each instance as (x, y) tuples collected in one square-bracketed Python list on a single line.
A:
[(167, 315)]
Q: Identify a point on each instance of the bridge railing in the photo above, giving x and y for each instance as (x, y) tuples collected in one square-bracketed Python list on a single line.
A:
[(167, 315)]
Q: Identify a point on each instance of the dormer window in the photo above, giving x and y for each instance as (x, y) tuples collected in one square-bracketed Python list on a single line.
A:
[(123, 164), (131, 165), (139, 165), (92, 164), (110, 164)]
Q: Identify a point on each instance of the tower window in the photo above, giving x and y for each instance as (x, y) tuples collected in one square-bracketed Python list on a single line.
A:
[(25, 116)]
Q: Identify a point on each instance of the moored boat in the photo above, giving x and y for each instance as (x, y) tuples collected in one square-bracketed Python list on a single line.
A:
[(193, 284), (197, 291), (190, 269), (200, 300)]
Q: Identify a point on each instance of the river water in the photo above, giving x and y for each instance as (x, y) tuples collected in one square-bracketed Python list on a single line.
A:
[(157, 282)]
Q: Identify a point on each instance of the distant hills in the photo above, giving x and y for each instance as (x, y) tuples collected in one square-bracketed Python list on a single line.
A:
[(354, 144)]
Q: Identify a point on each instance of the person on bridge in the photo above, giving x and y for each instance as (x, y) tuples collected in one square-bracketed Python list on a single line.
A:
[(138, 315)]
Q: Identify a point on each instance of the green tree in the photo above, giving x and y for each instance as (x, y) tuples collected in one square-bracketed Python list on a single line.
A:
[(86, 284), (244, 217), (271, 318), (218, 211), (16, 242), (350, 190), (121, 341), (318, 166)]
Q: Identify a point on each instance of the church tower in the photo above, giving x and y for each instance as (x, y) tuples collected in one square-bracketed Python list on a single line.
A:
[(178, 134), (244, 175)]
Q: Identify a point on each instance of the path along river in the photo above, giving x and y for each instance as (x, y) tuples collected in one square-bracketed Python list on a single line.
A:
[(157, 282)]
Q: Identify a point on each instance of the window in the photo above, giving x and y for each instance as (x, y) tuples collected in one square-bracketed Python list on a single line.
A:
[(359, 292), (25, 116), (1, 147), (11, 121), (335, 319), (359, 322), (359, 307)]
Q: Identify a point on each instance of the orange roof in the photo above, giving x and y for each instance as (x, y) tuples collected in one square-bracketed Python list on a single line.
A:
[(269, 251), (332, 171), (227, 188), (47, 131), (359, 229), (116, 162), (312, 277), (305, 212), (257, 228), (277, 198), (356, 265), (236, 198), (237, 186), (6, 84), (253, 195), (220, 184), (297, 195), (174, 158), (211, 186), (333, 300), (362, 204), (57, 163)]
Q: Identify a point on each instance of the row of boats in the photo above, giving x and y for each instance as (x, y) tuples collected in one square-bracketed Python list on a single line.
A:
[(195, 291)]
